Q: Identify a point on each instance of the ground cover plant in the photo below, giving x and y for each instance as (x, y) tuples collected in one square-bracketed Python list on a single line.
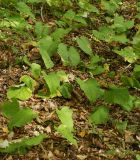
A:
[(70, 79)]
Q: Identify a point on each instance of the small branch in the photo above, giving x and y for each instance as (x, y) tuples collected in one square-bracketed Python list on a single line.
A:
[(42, 17)]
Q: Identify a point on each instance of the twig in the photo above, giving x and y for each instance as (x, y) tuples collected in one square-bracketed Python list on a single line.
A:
[(42, 17)]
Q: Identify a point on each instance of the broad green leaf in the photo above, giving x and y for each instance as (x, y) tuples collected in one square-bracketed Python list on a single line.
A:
[(22, 117), (63, 52), (66, 133), (80, 19), (44, 45), (66, 89), (136, 38), (130, 81), (93, 66), (65, 115), (107, 34), (53, 82), (136, 43), (34, 1), (22, 93), (104, 33), (136, 71), (89, 7), (128, 54), (30, 83), (91, 89), (84, 44), (59, 33), (34, 140), (36, 70), (110, 6), (120, 25), (41, 30), (97, 70), (66, 128), (68, 56), (20, 146), (70, 15), (15, 22), (119, 38), (47, 47), (25, 9), (46, 58), (9, 109), (137, 102), (119, 96), (62, 76), (74, 56), (138, 157), (121, 126), (100, 115)]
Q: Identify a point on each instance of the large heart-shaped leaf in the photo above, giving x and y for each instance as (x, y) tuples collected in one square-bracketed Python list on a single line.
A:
[(100, 115), (20, 146), (21, 92), (84, 44), (119, 96), (22, 117), (90, 88), (66, 128)]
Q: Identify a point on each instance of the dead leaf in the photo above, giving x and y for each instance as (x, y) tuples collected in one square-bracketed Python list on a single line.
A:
[(82, 133)]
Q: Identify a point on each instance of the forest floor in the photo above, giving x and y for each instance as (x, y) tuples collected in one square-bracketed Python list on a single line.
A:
[(101, 142)]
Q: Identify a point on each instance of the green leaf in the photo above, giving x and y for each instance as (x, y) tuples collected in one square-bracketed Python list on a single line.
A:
[(65, 115), (107, 34), (9, 109), (119, 38), (84, 44), (70, 15), (136, 71), (66, 89), (110, 6), (47, 48), (15, 22), (137, 157), (100, 115), (93, 66), (66, 133), (130, 81), (41, 31), (43, 47), (63, 52), (137, 103), (21, 118), (69, 57), (59, 33), (120, 25), (89, 7), (36, 70), (74, 57), (66, 128), (90, 88), (121, 126), (63, 76), (22, 93), (136, 38), (128, 54), (30, 83), (23, 8), (53, 82), (80, 19), (17, 117), (119, 96), (20, 146)]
